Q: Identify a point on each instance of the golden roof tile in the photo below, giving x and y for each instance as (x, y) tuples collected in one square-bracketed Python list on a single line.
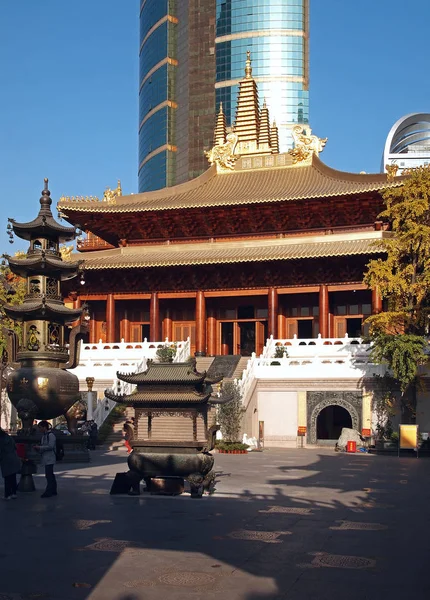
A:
[(257, 179), (306, 247)]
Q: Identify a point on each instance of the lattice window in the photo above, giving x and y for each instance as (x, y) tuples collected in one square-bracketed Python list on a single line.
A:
[(53, 334), (51, 287)]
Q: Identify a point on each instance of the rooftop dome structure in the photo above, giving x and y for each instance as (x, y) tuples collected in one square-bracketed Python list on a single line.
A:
[(408, 143)]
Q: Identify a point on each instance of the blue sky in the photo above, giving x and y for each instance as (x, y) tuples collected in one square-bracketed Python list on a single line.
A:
[(69, 90)]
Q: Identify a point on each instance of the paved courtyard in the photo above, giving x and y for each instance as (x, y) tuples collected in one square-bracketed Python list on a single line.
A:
[(291, 524)]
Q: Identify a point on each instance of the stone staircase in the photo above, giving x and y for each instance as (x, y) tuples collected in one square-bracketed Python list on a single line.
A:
[(240, 367)]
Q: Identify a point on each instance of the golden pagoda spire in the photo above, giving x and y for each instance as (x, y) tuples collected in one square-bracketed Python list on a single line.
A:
[(264, 135), (247, 125), (220, 129), (248, 67), (274, 138)]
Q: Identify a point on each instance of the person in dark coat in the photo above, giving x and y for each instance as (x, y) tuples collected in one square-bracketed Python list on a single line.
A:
[(93, 432), (10, 464)]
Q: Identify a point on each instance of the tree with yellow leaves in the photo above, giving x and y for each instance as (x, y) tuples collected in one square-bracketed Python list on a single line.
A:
[(399, 334)]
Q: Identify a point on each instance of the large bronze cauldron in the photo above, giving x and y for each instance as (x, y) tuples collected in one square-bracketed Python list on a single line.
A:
[(42, 393), (196, 468)]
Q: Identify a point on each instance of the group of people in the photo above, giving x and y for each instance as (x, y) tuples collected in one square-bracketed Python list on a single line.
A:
[(90, 428), (11, 463)]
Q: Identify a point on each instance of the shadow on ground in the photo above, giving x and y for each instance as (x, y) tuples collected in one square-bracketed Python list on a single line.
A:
[(282, 524)]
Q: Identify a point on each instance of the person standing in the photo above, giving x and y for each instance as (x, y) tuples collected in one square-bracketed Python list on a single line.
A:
[(128, 433), (48, 457), (10, 465), (93, 434)]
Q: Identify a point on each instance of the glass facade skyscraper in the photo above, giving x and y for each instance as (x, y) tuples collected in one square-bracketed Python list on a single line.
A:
[(277, 34), (176, 90), (192, 56)]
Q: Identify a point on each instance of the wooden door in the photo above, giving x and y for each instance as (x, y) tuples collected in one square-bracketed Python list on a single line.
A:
[(340, 327), (183, 330), (259, 337)]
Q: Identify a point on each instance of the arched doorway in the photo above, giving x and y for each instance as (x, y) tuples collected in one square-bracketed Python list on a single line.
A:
[(331, 420)]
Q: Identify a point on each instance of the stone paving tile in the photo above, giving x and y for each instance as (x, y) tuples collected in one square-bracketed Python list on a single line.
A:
[(147, 547)]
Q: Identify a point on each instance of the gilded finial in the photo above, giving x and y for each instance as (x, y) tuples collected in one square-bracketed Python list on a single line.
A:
[(391, 171), (248, 68)]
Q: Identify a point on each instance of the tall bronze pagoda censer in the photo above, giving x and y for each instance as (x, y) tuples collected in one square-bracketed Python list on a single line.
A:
[(40, 387), (172, 435)]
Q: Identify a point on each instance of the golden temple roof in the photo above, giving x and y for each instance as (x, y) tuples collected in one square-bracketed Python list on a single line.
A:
[(206, 253), (255, 179)]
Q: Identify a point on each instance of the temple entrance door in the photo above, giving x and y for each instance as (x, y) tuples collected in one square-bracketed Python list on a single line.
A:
[(247, 337), (242, 337), (348, 325), (227, 338), (330, 422)]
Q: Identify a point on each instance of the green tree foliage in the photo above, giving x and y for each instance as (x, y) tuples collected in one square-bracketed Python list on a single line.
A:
[(12, 291), (403, 279), (230, 413)]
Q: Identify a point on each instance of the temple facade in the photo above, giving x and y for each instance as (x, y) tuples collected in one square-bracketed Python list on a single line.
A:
[(263, 243)]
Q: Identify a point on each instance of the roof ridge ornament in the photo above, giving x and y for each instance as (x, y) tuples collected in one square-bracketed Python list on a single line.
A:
[(305, 144), (223, 155), (391, 171)]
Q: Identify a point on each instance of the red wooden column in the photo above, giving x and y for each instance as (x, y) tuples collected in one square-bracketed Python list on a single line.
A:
[(211, 333), (324, 311), (154, 318), (273, 312), (168, 325), (110, 319), (200, 324), (126, 329), (376, 301), (93, 333)]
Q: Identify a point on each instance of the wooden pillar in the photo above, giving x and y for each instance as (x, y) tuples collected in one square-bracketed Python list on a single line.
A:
[(93, 333), (154, 318), (324, 311), (168, 325), (126, 329), (110, 319), (376, 301), (273, 312), (200, 324), (211, 333)]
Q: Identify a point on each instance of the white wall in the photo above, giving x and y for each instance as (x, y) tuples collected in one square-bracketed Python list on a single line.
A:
[(278, 410)]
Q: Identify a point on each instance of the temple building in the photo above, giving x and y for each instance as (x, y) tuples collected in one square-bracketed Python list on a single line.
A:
[(263, 243)]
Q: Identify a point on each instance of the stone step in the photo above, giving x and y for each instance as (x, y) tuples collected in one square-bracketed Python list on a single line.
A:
[(240, 367)]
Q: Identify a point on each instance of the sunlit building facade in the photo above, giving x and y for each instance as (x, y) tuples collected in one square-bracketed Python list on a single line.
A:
[(176, 90), (191, 60), (408, 143), (277, 34)]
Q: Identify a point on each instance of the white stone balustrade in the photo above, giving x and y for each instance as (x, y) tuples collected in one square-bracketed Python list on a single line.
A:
[(319, 358)]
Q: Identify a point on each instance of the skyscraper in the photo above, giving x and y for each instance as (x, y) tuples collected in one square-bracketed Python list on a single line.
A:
[(176, 90), (277, 34), (192, 54)]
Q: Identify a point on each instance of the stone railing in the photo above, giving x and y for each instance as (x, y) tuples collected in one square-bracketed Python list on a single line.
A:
[(305, 359)]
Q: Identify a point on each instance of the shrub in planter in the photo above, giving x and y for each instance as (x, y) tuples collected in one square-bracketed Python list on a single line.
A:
[(231, 446), (166, 353)]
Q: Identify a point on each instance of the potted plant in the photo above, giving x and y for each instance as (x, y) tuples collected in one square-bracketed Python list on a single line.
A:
[(166, 353), (280, 352)]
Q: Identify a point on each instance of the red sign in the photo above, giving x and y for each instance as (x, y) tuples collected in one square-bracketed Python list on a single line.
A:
[(301, 431), (366, 432)]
